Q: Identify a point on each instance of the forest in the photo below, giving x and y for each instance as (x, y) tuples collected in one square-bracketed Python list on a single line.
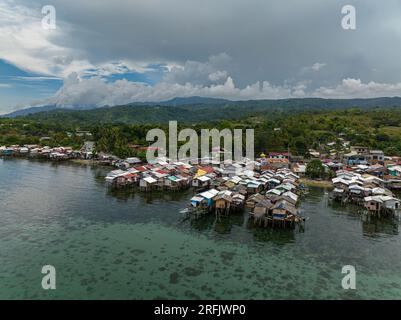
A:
[(295, 129)]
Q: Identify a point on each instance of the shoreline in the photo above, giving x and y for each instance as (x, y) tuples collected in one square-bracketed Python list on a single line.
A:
[(87, 162), (97, 163), (82, 162), (316, 183)]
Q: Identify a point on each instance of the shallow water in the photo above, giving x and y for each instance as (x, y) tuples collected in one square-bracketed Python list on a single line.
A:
[(122, 245)]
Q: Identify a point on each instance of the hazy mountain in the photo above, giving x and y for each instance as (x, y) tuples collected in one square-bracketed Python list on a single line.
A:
[(210, 110), (46, 108), (192, 100), (173, 102), (259, 105), (24, 112)]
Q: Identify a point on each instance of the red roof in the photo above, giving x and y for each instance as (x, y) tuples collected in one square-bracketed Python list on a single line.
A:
[(278, 154), (273, 160), (129, 175), (141, 168), (208, 169), (162, 171)]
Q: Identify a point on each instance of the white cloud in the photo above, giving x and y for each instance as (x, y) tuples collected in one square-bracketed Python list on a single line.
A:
[(355, 88), (313, 68), (201, 73), (218, 75), (25, 44), (96, 91), (317, 66)]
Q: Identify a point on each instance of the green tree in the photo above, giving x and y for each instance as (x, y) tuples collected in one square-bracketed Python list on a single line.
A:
[(315, 169)]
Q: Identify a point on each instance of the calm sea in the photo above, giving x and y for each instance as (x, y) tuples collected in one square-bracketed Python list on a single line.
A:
[(126, 245)]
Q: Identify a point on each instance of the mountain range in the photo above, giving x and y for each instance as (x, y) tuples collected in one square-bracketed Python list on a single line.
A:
[(195, 109), (173, 102)]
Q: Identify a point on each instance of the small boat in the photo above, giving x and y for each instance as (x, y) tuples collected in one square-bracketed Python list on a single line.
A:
[(184, 211)]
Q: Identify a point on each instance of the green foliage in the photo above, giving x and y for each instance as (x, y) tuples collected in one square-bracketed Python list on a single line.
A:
[(27, 131), (111, 139), (297, 125), (315, 169), (229, 110)]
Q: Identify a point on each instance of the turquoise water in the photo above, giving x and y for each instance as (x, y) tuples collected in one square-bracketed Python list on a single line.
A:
[(124, 245)]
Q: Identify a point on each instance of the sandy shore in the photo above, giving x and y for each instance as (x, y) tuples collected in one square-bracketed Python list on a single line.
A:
[(316, 183)]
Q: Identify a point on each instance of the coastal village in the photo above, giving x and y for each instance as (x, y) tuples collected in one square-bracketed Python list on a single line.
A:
[(270, 187), (270, 194)]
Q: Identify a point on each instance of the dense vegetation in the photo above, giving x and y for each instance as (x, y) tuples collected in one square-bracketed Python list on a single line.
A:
[(291, 128), (26, 131), (191, 110), (316, 170)]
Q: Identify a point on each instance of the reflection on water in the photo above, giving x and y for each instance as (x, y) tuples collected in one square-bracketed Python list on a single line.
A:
[(377, 227), (372, 226), (123, 244), (125, 194), (222, 225)]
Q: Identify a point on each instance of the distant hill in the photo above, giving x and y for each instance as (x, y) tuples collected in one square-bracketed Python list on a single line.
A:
[(195, 100), (197, 109), (24, 112), (173, 102), (46, 108)]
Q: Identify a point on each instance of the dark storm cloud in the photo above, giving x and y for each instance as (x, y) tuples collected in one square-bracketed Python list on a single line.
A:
[(267, 40), (295, 46)]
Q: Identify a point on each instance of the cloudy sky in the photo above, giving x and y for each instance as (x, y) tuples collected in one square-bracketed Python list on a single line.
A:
[(113, 52)]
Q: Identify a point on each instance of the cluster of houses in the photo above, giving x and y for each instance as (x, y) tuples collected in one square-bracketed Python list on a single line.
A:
[(367, 177), (364, 189), (360, 160), (272, 194), (46, 152), (373, 161), (268, 186), (277, 203), (160, 175), (362, 155), (271, 188)]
